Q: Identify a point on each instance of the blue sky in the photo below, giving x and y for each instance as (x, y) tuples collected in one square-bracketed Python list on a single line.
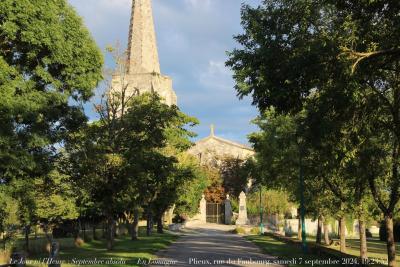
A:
[(193, 37)]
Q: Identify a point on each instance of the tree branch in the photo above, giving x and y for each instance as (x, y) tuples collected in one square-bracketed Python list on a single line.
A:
[(362, 56)]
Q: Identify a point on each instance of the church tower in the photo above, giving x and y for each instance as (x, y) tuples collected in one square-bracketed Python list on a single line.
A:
[(143, 72)]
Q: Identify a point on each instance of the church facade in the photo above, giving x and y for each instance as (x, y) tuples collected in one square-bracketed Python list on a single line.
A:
[(212, 150)]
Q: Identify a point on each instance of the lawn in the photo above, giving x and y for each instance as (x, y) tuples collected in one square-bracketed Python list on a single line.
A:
[(376, 249), (126, 252), (284, 251), (273, 247)]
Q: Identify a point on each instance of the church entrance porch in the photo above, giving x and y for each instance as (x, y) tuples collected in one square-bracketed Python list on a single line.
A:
[(215, 213)]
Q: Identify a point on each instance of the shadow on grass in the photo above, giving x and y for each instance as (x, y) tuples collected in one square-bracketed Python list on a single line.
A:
[(284, 251), (125, 253)]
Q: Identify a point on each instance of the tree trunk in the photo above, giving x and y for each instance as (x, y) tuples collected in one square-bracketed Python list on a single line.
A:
[(391, 246), (54, 248), (79, 230), (94, 231), (319, 231), (326, 234), (299, 230), (4, 242), (342, 229), (363, 242), (135, 224), (160, 224), (110, 233), (27, 232), (149, 224), (104, 230), (54, 251), (84, 231)]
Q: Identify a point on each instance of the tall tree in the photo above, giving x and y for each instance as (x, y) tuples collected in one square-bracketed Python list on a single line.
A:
[(329, 47), (49, 65)]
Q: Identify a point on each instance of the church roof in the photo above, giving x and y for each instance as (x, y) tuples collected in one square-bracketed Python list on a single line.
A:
[(212, 136)]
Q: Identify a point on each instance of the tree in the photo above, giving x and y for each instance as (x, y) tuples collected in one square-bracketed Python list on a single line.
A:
[(277, 163), (190, 192), (9, 220), (329, 47), (234, 173), (49, 65), (186, 185), (47, 58), (370, 47), (54, 201)]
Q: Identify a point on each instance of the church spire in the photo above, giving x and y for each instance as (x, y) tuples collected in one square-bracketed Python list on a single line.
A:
[(142, 44)]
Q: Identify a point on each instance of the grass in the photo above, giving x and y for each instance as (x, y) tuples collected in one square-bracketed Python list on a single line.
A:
[(282, 250), (126, 252), (288, 254), (376, 249)]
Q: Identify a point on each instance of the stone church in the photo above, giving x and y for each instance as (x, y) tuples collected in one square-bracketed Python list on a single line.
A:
[(143, 72), (213, 149)]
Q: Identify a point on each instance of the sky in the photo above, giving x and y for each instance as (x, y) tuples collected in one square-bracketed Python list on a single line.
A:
[(193, 37)]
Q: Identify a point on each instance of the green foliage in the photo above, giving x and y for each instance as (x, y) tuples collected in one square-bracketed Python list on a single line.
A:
[(55, 198), (272, 201), (277, 157), (190, 191), (322, 71), (46, 57), (235, 204), (49, 65), (234, 173), (9, 220), (47, 43)]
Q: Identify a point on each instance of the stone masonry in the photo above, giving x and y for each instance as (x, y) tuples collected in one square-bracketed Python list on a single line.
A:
[(213, 149), (143, 70)]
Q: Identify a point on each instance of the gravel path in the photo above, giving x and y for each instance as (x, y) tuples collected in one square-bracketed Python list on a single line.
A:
[(212, 245)]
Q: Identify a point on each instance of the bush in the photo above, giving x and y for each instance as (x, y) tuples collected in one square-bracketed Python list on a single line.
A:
[(239, 230), (396, 231), (255, 231)]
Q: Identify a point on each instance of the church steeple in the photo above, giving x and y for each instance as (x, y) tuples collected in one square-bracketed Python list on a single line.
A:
[(142, 44), (143, 71)]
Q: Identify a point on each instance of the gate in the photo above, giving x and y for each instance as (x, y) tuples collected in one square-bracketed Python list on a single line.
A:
[(215, 213)]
